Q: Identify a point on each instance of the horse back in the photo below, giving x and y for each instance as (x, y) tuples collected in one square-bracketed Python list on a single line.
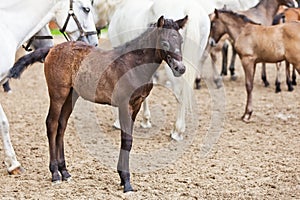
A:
[(63, 62)]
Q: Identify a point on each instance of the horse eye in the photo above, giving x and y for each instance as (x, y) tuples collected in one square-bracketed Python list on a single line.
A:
[(86, 9), (174, 36)]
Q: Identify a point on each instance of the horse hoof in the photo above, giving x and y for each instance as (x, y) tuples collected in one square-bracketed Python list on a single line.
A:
[(277, 90), (146, 124), (57, 182), (67, 179), (117, 125), (177, 137), (218, 82), (128, 188), (266, 84), (290, 89), (246, 118), (233, 77), (17, 171)]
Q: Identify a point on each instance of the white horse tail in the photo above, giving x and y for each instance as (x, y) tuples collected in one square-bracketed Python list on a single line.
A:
[(29, 59), (196, 35)]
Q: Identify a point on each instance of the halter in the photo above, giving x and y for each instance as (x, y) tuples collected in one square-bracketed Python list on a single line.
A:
[(72, 14), (37, 37)]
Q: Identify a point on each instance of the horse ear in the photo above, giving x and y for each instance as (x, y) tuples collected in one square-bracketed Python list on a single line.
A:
[(182, 22), (160, 22), (216, 13)]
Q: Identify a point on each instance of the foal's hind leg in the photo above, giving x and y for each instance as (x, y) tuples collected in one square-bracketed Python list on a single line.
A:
[(264, 75), (57, 100), (232, 64), (62, 124), (288, 76), (224, 59), (294, 82)]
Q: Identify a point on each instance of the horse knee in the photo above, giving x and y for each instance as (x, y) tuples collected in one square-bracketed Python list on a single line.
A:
[(126, 144)]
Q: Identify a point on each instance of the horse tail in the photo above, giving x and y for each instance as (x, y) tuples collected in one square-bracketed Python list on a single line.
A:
[(37, 56), (277, 18), (196, 37)]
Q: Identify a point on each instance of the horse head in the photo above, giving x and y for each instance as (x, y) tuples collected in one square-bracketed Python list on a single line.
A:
[(222, 19), (169, 43), (75, 18), (217, 29)]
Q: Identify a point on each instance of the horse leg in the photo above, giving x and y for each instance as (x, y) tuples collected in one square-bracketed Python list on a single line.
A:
[(56, 103), (288, 78), (116, 123), (126, 122), (13, 166), (224, 59), (294, 82), (6, 87), (264, 75), (277, 81), (62, 124), (232, 64), (146, 115), (249, 69), (217, 78)]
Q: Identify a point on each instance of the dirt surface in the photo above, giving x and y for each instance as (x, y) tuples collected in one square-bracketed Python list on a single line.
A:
[(258, 160)]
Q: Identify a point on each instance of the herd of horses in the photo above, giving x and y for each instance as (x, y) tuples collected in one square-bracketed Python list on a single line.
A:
[(182, 34)]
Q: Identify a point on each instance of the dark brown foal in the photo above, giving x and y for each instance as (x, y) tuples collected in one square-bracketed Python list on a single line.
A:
[(121, 77)]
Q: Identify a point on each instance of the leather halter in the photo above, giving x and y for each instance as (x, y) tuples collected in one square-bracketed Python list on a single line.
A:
[(36, 37), (72, 14)]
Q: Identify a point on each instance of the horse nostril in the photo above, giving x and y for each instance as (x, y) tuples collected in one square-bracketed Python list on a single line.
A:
[(182, 70)]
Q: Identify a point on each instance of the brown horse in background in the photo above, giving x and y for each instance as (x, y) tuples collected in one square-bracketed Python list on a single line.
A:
[(256, 43), (263, 13), (121, 77), (287, 15)]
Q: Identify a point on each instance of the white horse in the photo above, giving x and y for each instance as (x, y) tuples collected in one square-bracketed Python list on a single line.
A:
[(20, 20)]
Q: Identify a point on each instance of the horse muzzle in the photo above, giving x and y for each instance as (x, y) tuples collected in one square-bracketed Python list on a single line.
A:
[(89, 39), (176, 66)]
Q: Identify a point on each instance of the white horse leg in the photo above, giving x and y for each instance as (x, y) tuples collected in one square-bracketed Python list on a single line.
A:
[(177, 87), (179, 127), (116, 124), (146, 115), (10, 156)]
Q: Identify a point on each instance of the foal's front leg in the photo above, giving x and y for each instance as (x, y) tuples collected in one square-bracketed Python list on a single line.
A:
[(249, 69), (126, 123)]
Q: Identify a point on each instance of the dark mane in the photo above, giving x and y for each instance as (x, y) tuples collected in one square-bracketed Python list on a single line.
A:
[(139, 43), (243, 17)]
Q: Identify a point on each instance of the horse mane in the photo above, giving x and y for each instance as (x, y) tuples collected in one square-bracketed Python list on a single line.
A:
[(138, 43), (241, 16)]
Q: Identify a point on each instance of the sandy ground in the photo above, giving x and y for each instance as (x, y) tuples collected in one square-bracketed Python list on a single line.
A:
[(259, 160)]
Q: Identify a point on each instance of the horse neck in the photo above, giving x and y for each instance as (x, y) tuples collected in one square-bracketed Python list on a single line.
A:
[(269, 7), (27, 19), (234, 29), (143, 50)]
